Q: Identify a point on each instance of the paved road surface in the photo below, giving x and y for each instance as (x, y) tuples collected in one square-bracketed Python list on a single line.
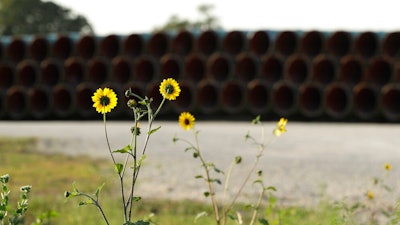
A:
[(341, 157)]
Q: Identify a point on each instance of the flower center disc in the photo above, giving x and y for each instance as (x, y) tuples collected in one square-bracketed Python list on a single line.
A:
[(104, 100), (169, 89)]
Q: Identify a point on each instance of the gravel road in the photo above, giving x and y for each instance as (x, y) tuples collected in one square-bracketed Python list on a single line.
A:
[(336, 159)]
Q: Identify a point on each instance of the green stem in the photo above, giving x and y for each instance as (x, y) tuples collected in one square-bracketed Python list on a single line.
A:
[(121, 177), (208, 179), (257, 206), (150, 117)]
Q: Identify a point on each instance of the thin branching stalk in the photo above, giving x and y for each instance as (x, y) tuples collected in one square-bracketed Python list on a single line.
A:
[(257, 206), (98, 206), (208, 179), (151, 117)]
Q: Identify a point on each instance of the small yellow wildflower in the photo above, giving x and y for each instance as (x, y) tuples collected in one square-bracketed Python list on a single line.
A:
[(186, 120), (370, 195), (388, 166), (104, 100), (280, 127), (169, 89)]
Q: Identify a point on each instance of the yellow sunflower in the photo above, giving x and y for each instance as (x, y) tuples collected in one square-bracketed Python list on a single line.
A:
[(104, 100), (280, 127), (186, 120), (388, 166), (370, 195), (170, 89)]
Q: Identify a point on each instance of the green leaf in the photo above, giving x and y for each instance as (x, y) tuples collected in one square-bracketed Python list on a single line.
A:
[(272, 188), (238, 159), (136, 198), (206, 194), (125, 149), (199, 215), (99, 188), (154, 130), (256, 120), (198, 176), (218, 170), (218, 181), (142, 158), (119, 167), (195, 154), (263, 221), (140, 222)]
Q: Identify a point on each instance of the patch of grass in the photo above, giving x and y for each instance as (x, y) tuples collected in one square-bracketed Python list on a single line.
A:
[(52, 174)]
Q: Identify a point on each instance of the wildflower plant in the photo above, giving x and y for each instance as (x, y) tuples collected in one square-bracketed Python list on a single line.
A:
[(104, 100), (17, 216), (368, 209), (224, 209)]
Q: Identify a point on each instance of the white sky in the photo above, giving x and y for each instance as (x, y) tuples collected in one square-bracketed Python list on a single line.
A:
[(132, 16)]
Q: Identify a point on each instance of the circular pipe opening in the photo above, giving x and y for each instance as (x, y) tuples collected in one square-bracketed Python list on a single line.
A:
[(286, 43), (390, 98), (195, 67), (63, 101), (182, 44), (259, 42), (62, 47), (158, 44), (337, 101), (7, 75), (258, 97), (86, 46), (234, 42), (351, 70), (208, 42), (296, 69), (366, 44), (271, 68), (98, 71), (38, 48), (84, 103), (121, 69), (74, 70), (15, 51), (380, 71), (207, 97), (284, 98), (339, 43), (110, 46), (391, 44), (50, 72), (27, 73), (16, 102), (39, 102), (247, 67), (145, 69), (365, 101), (323, 70), (389, 102), (171, 66), (232, 97), (312, 43), (311, 100), (219, 67), (133, 45)]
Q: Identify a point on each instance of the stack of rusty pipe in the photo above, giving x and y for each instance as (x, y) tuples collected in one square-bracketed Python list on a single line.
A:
[(302, 75)]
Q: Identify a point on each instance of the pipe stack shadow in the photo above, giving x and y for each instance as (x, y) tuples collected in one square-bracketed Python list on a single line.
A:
[(301, 75)]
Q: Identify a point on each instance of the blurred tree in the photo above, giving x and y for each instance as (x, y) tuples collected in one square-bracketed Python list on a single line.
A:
[(39, 17), (207, 21)]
